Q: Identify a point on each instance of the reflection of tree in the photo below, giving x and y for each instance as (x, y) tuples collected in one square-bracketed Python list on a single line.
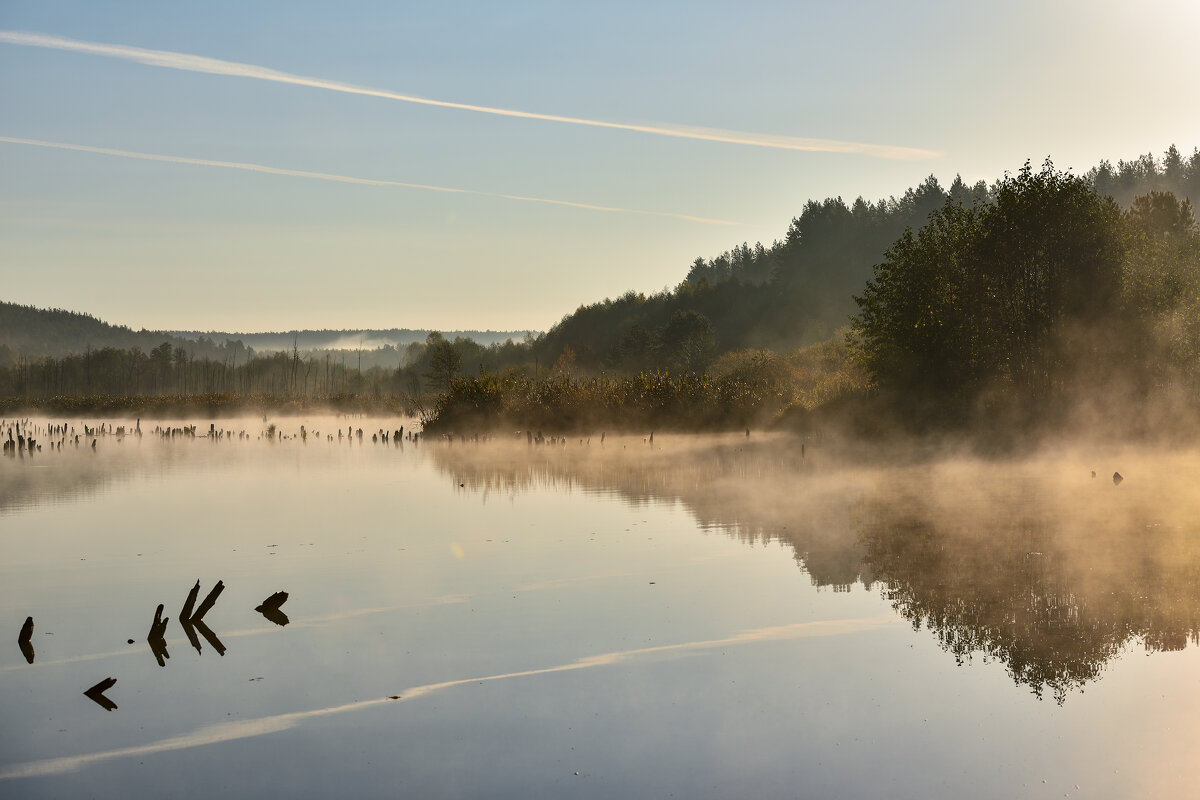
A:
[(993, 597), (1053, 579), (748, 489), (1052, 595), (43, 478)]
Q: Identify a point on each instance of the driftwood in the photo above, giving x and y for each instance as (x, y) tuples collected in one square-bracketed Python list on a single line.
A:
[(270, 608), (273, 602), (189, 604), (208, 602), (96, 694), (189, 630), (158, 628), (156, 639), (192, 622)]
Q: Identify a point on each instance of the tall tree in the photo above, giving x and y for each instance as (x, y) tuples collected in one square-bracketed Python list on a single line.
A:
[(981, 297)]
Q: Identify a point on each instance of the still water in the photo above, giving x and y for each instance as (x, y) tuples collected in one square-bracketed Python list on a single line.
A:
[(692, 617)]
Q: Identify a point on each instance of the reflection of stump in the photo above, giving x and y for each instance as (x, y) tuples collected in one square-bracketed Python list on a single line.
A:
[(159, 648), (156, 639), (96, 694), (24, 640), (195, 625)]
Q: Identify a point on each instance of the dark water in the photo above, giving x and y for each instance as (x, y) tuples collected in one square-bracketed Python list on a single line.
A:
[(707, 617)]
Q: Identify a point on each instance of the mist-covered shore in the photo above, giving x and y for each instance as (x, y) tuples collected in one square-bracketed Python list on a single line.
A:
[(1010, 312)]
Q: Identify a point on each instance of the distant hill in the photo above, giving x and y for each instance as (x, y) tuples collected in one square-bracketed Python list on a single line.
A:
[(366, 339), (36, 332)]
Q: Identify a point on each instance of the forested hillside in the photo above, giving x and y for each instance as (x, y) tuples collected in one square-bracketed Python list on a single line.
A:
[(742, 315), (35, 332), (1042, 308), (800, 289), (32, 333), (366, 339)]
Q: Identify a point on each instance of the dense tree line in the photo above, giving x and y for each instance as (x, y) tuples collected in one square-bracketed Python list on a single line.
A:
[(1084, 260), (34, 332), (172, 369), (1174, 174), (800, 289), (793, 293), (1046, 291)]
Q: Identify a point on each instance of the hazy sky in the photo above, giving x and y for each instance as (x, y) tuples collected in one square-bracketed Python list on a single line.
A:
[(298, 167)]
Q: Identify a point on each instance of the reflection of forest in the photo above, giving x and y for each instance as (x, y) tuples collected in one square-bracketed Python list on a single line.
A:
[(49, 478), (753, 490), (1034, 563)]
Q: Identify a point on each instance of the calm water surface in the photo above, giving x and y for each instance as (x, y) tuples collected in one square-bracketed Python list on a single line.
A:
[(700, 617)]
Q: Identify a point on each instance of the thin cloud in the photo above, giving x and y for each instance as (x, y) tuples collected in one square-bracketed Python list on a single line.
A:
[(327, 176), (215, 66), (244, 729)]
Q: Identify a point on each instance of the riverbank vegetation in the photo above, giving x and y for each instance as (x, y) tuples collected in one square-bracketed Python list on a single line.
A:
[(749, 388)]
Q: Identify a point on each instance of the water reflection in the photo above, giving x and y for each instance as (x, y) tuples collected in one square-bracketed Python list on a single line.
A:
[(96, 694), (1033, 562), (158, 647), (25, 640), (74, 469), (508, 636), (1053, 580), (193, 626)]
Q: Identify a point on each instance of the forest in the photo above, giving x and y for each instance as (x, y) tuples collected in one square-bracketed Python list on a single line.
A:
[(31, 333), (940, 305)]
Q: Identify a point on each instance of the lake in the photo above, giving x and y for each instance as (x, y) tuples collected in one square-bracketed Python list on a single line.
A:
[(692, 616)]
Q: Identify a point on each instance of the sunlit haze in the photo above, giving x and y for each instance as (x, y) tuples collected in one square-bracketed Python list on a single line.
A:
[(459, 165)]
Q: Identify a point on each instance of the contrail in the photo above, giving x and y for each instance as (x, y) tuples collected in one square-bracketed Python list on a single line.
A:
[(260, 726), (327, 176), (216, 66)]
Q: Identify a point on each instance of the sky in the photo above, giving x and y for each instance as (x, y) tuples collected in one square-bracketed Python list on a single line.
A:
[(271, 166)]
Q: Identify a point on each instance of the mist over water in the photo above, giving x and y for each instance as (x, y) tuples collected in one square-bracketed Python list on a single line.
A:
[(761, 615)]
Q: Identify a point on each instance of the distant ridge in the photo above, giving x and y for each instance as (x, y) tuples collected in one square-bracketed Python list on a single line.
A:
[(349, 339), (35, 332)]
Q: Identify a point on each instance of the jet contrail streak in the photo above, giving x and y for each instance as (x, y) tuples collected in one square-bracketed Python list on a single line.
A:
[(215, 66), (327, 176)]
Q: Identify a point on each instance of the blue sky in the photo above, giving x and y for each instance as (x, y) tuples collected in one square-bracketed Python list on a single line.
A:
[(953, 87)]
